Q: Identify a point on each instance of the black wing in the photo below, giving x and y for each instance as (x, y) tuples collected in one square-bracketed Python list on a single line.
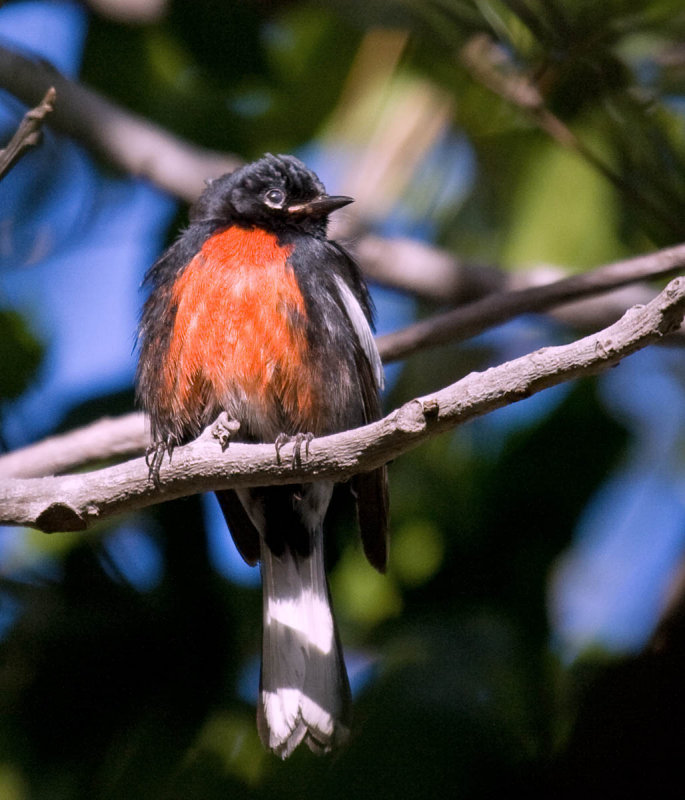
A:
[(369, 488)]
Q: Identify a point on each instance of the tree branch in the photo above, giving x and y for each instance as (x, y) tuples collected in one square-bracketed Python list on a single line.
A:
[(128, 141), (126, 436), (28, 134), (76, 502), (494, 309), (425, 271), (177, 166), (437, 277), (103, 440)]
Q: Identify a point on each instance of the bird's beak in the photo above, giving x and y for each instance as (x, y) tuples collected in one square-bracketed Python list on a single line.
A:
[(320, 206)]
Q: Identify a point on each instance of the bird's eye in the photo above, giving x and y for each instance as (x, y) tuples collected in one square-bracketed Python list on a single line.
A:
[(274, 198)]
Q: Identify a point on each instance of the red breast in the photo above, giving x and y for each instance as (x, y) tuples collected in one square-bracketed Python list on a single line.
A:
[(239, 329)]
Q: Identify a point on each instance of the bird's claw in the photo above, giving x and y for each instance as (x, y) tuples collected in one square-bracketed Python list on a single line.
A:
[(154, 456), (298, 439)]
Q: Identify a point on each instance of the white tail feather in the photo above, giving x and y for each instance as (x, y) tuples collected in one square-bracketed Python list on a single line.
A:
[(304, 693)]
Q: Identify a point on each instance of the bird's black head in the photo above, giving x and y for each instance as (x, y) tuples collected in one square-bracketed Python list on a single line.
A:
[(277, 193)]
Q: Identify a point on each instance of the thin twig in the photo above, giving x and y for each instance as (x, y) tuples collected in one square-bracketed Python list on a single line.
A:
[(76, 502), (490, 66), (28, 134)]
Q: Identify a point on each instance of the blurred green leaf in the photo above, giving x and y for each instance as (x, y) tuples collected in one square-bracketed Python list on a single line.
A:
[(562, 212), (417, 551), (233, 738), (361, 593), (20, 355), (12, 785)]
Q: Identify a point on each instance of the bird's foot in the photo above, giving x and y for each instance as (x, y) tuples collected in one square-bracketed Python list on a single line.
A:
[(224, 429), (298, 439), (154, 456)]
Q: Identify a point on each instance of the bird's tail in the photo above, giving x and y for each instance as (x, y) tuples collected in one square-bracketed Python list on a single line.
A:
[(304, 691)]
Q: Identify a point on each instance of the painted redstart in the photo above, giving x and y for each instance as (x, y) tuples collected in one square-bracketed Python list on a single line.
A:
[(255, 313)]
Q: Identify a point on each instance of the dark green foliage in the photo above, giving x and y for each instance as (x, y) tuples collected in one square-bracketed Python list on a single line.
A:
[(20, 355), (242, 77)]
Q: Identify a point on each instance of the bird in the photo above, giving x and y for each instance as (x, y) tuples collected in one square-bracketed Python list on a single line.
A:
[(256, 316)]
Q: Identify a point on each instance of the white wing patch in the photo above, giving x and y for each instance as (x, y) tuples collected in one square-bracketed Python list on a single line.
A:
[(362, 329)]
